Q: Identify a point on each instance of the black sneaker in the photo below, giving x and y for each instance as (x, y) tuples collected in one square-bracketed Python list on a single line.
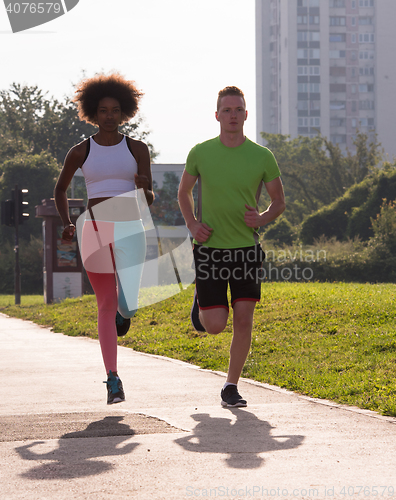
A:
[(115, 391), (231, 398), (122, 324), (195, 314)]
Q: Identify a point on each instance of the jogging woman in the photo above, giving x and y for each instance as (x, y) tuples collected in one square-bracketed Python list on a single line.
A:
[(113, 242)]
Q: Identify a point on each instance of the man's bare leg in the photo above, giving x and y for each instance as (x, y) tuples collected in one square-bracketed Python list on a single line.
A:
[(214, 320), (242, 338)]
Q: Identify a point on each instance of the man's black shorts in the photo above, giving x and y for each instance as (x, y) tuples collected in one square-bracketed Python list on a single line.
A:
[(216, 267)]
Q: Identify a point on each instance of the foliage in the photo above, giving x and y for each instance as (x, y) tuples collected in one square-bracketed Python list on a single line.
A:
[(33, 122), (350, 215), (327, 340), (383, 243), (31, 266), (315, 172), (165, 209), (281, 231), (35, 172)]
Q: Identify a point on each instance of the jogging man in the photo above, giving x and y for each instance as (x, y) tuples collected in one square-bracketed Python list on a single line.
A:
[(230, 170)]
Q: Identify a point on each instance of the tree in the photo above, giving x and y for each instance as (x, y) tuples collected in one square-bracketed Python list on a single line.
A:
[(315, 172), (351, 215), (35, 172), (31, 122)]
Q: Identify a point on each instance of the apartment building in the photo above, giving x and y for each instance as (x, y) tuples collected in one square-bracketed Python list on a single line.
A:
[(327, 66)]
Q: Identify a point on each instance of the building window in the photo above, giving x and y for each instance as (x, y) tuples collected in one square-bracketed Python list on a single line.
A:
[(314, 122), (308, 53), (353, 4), (353, 121), (308, 70), (336, 54), (337, 21), (354, 106), (302, 105), (337, 122), (366, 71), (337, 37), (366, 38), (302, 19), (366, 104), (313, 19), (338, 139), (308, 87), (366, 122), (366, 88), (337, 3), (353, 21), (366, 54), (314, 105), (365, 21), (337, 105), (308, 3), (308, 36), (353, 38), (353, 89), (366, 3)]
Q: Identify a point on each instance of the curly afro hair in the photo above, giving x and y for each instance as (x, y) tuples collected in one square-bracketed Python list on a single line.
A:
[(91, 90)]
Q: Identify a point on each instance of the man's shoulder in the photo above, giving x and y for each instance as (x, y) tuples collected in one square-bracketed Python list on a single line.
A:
[(258, 148), (210, 143)]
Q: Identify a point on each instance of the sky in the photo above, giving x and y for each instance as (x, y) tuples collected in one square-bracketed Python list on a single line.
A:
[(180, 53)]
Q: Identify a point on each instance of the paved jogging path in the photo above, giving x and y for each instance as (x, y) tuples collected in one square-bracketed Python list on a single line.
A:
[(171, 439)]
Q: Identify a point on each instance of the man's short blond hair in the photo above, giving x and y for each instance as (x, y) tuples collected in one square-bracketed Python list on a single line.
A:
[(229, 91)]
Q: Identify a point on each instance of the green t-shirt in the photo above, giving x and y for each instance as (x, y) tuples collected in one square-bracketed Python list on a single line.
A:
[(229, 178)]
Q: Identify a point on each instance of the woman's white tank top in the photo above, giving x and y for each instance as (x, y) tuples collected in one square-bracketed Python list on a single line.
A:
[(109, 170)]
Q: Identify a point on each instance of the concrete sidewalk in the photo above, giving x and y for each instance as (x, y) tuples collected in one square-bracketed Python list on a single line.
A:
[(171, 439)]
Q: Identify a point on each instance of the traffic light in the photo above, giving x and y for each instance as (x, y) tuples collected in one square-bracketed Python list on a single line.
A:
[(20, 205), (14, 210), (7, 213)]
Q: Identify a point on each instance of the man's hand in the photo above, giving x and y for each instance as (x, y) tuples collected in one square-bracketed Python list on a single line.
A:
[(252, 217), (200, 231)]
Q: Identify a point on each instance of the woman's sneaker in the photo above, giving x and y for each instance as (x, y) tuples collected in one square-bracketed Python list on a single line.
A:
[(115, 391), (195, 314), (231, 398), (122, 325)]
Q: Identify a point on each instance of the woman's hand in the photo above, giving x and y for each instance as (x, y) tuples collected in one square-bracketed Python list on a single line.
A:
[(68, 232), (142, 182)]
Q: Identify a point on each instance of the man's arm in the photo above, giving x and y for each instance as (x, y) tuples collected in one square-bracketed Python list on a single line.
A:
[(199, 230), (277, 206)]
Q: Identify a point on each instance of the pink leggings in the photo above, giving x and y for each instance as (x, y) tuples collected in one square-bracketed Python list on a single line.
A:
[(104, 286), (113, 254)]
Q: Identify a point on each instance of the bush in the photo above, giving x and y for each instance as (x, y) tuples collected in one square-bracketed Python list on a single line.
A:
[(281, 231), (31, 265), (331, 260), (350, 216)]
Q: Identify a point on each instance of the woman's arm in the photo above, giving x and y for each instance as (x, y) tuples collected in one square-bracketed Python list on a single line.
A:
[(143, 179), (74, 160)]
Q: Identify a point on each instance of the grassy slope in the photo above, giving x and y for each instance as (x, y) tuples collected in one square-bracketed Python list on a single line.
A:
[(328, 340)]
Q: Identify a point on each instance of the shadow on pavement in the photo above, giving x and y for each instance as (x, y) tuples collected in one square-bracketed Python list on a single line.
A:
[(243, 440), (74, 458)]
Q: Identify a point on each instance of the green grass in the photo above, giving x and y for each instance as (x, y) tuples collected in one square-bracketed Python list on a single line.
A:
[(327, 340)]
